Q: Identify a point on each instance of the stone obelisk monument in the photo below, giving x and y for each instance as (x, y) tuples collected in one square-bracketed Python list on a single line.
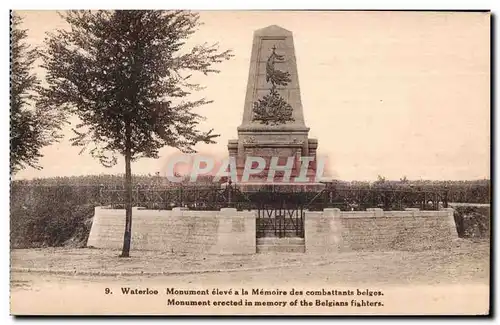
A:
[(273, 119)]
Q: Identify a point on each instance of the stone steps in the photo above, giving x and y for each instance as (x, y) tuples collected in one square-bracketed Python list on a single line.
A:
[(282, 245), (269, 233)]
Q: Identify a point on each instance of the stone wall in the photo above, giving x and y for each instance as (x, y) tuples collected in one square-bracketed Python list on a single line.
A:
[(335, 231), (214, 232), (234, 232)]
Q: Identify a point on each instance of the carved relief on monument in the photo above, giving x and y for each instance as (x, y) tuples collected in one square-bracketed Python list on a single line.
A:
[(265, 138), (249, 139), (273, 152), (266, 45), (283, 138), (272, 108)]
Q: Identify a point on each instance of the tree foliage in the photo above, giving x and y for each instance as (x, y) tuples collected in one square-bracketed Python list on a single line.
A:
[(125, 74), (32, 126)]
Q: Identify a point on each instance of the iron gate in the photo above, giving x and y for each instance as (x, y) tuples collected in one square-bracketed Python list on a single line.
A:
[(282, 217)]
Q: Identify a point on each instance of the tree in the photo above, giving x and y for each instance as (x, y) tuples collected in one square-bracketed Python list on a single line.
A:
[(32, 126), (126, 75), (380, 181)]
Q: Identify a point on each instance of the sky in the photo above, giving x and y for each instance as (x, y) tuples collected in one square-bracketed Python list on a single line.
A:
[(386, 93)]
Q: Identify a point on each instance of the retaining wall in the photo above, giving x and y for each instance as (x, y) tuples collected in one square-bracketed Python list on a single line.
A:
[(218, 232), (234, 232), (334, 231)]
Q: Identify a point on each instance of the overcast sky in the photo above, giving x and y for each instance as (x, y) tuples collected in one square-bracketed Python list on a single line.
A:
[(385, 93)]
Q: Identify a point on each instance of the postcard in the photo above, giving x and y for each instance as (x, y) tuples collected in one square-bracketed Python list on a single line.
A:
[(250, 162)]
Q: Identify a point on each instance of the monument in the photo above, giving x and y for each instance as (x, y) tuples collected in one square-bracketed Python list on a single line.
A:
[(273, 120)]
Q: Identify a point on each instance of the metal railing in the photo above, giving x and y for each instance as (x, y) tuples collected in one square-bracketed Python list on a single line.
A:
[(214, 198)]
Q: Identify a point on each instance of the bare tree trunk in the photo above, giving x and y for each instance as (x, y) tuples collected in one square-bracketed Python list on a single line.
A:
[(127, 237)]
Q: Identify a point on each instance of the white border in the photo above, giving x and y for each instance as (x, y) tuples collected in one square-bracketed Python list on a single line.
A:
[(198, 5), (260, 5)]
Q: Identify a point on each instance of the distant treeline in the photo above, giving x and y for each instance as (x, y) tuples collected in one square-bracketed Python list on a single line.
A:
[(117, 180), (473, 191), (58, 211)]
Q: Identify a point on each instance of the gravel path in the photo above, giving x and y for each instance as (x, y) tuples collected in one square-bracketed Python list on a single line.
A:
[(437, 282)]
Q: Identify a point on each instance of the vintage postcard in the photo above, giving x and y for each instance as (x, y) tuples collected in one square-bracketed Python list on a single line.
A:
[(250, 162)]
